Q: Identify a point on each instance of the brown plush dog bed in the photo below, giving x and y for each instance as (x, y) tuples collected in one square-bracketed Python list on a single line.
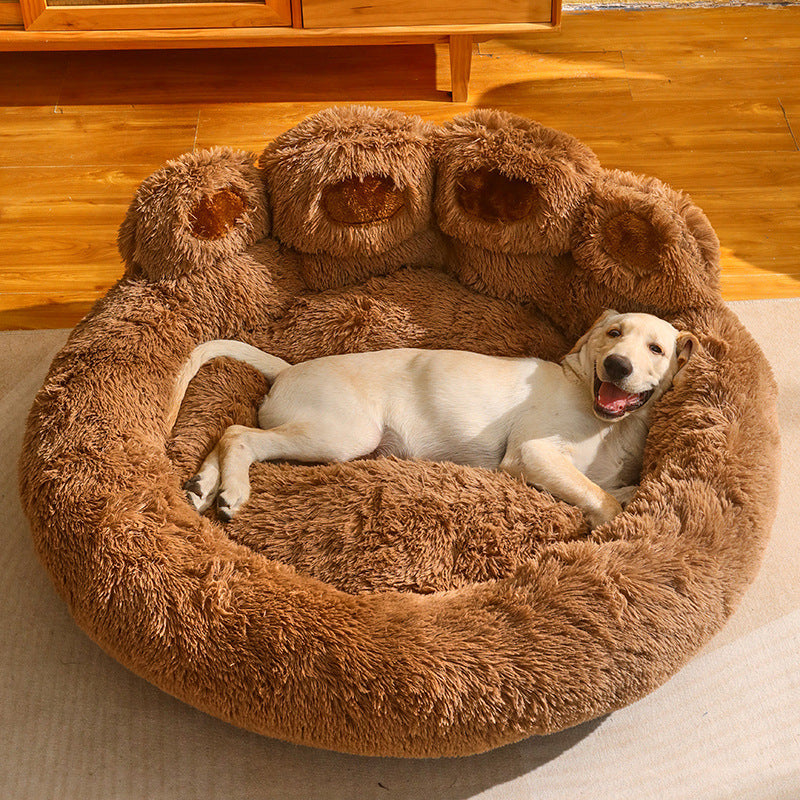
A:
[(391, 607)]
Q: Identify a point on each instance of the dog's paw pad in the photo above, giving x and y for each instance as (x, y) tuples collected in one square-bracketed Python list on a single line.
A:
[(199, 498), (192, 486), (225, 511), (231, 498)]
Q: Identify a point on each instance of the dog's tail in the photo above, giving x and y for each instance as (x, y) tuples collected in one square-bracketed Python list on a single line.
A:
[(269, 366)]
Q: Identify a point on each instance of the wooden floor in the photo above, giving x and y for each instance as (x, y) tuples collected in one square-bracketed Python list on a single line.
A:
[(706, 99)]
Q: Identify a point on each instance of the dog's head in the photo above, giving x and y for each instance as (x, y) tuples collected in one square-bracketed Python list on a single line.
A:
[(629, 360)]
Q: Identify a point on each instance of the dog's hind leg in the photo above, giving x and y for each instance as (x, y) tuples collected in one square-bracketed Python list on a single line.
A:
[(239, 447)]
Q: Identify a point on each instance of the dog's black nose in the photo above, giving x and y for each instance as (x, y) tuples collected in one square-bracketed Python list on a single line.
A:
[(617, 367)]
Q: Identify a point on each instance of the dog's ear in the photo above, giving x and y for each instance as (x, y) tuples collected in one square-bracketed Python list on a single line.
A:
[(606, 315), (686, 345)]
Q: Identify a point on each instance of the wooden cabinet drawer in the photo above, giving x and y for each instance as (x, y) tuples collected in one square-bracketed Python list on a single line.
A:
[(45, 15), (382, 13), (10, 13)]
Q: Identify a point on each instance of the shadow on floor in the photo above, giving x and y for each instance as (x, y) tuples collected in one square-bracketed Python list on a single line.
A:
[(247, 75)]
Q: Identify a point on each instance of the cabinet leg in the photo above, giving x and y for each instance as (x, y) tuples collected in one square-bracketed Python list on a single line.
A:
[(460, 63)]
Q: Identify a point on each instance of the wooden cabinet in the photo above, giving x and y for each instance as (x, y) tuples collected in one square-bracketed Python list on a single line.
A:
[(141, 24)]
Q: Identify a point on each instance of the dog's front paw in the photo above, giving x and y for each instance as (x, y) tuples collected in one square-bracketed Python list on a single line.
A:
[(230, 500), (201, 490), (624, 494)]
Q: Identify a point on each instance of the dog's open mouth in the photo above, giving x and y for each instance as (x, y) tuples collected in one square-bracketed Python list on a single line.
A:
[(611, 402)]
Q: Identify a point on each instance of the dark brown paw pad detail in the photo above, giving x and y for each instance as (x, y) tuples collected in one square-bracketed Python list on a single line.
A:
[(648, 243), (213, 216), (633, 241), (224, 511), (491, 196), (510, 185), (192, 486), (361, 201)]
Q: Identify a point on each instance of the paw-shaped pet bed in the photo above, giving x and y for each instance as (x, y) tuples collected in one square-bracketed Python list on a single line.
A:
[(382, 606)]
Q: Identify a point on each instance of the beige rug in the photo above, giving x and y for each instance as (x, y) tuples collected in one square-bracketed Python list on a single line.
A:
[(635, 5), (75, 725)]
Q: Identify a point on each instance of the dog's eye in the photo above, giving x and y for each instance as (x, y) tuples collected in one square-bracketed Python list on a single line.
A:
[(654, 348), (614, 332)]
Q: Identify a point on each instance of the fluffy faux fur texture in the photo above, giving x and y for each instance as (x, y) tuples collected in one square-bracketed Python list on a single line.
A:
[(185, 215), (387, 607), (492, 156)]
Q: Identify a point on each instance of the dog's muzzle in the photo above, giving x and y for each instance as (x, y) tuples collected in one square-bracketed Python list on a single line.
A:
[(611, 402)]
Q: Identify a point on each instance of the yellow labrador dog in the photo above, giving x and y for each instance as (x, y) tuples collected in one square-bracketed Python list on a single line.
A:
[(575, 429)]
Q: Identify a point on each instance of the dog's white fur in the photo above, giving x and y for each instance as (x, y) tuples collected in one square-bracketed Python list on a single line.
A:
[(536, 419)]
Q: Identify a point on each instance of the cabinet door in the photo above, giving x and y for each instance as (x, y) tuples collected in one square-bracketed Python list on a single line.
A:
[(382, 13), (58, 15)]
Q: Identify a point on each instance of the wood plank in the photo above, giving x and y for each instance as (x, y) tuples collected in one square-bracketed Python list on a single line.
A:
[(741, 280), (59, 238), (655, 76), (736, 170), (44, 310), (357, 13), (573, 6), (51, 256), (35, 136), (68, 195), (734, 31), (249, 126), (619, 129), (761, 287), (658, 131)]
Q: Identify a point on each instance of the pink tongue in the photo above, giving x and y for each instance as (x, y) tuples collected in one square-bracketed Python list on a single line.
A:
[(613, 399)]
